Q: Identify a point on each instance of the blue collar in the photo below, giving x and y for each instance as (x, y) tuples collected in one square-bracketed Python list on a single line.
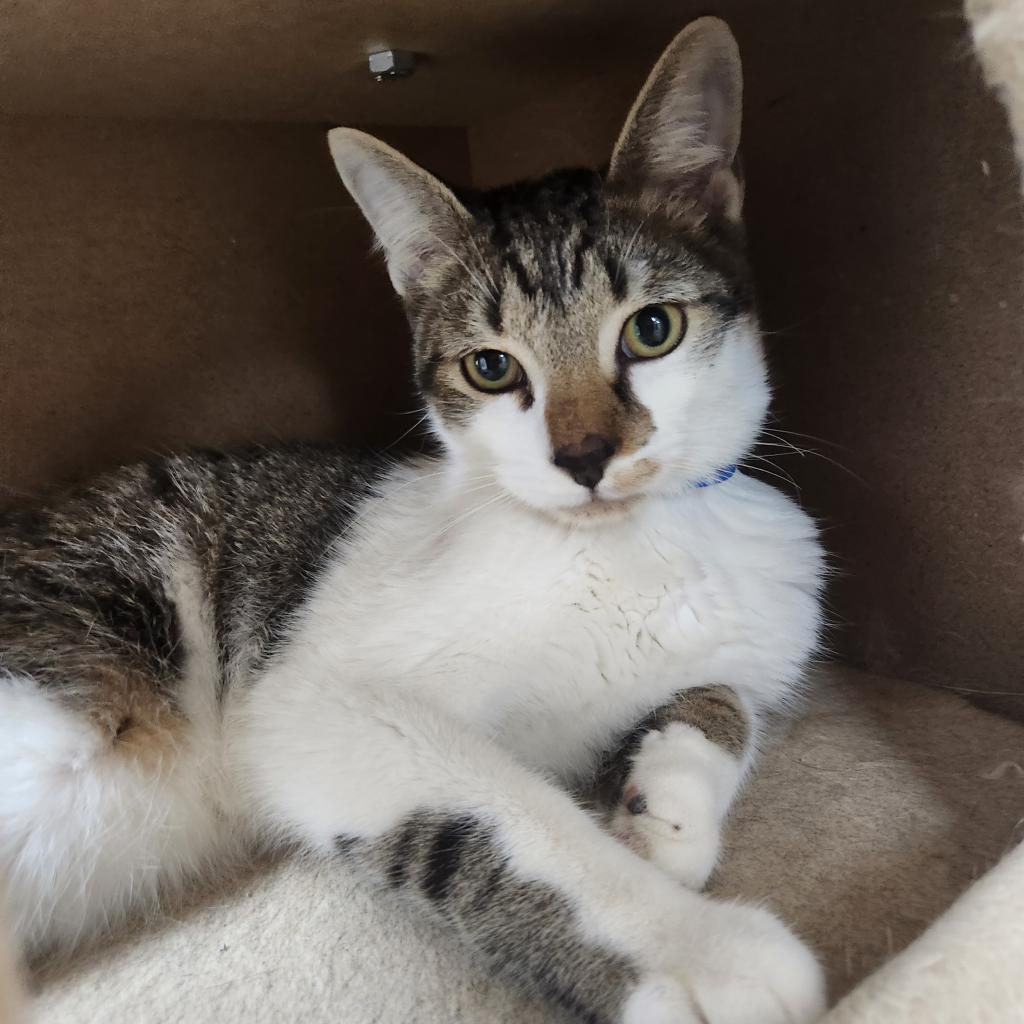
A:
[(716, 478)]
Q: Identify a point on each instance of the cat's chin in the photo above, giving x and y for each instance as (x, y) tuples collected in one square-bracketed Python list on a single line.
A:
[(596, 511)]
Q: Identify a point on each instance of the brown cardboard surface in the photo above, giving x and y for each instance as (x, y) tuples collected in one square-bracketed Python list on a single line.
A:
[(279, 60), (189, 284), (887, 230)]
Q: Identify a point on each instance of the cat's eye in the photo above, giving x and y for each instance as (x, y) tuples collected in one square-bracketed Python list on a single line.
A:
[(491, 370), (653, 331)]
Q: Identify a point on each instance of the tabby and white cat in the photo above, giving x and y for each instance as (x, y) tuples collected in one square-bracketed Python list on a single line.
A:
[(410, 666)]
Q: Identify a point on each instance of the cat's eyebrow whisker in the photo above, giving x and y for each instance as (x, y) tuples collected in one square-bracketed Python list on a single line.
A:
[(487, 287), (495, 292), (628, 251)]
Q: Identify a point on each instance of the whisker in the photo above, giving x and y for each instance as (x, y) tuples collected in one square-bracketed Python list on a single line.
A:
[(406, 412), (398, 440), (809, 437), (473, 511), (486, 287), (781, 475), (628, 251), (782, 442), (485, 267), (811, 451)]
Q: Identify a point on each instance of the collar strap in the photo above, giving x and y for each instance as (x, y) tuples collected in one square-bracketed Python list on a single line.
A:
[(716, 478)]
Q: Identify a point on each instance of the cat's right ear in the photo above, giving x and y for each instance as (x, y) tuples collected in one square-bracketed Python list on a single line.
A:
[(681, 139), (416, 218)]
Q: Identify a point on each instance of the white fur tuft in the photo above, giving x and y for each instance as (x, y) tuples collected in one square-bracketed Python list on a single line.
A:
[(87, 834)]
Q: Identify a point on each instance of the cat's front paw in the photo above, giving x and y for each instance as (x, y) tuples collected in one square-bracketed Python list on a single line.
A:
[(677, 832), (674, 802), (750, 969)]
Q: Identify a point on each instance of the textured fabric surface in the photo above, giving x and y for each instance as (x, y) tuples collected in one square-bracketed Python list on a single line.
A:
[(965, 968), (866, 819)]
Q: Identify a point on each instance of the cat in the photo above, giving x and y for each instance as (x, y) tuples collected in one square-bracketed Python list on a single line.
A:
[(417, 666)]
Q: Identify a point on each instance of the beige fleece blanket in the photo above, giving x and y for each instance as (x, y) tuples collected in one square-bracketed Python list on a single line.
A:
[(864, 822)]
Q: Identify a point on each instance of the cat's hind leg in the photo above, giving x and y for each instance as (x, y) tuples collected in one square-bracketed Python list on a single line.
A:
[(103, 803), (538, 892)]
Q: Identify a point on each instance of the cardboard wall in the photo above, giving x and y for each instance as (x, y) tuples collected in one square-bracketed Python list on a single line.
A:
[(169, 284)]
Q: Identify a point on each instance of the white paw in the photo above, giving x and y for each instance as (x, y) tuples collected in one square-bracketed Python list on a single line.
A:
[(750, 969), (674, 802), (756, 971), (659, 999)]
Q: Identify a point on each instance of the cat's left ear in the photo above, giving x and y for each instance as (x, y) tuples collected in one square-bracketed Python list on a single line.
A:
[(682, 137), (416, 218)]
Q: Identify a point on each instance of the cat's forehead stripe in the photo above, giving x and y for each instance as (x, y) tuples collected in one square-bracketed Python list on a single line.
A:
[(541, 231), (492, 307), (618, 278)]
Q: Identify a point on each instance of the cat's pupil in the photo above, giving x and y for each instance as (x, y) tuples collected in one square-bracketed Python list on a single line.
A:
[(652, 326), (491, 364)]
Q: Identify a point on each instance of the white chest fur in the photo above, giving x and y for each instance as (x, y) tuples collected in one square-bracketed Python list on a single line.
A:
[(552, 639)]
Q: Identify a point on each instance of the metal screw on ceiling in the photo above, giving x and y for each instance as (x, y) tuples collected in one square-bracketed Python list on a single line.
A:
[(388, 64)]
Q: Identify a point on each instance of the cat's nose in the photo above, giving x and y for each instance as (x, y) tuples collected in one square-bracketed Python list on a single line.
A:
[(585, 461)]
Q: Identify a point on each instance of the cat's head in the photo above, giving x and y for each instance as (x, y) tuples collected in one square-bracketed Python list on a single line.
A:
[(587, 339)]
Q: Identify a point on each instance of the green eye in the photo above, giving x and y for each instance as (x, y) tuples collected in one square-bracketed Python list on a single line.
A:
[(653, 331), (491, 370)]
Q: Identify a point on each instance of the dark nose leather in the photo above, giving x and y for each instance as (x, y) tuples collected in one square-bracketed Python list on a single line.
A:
[(585, 461)]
